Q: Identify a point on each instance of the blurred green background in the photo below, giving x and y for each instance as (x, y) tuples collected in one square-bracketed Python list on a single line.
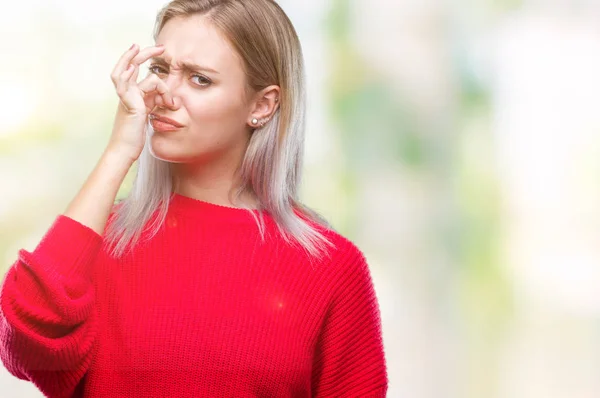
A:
[(456, 143)]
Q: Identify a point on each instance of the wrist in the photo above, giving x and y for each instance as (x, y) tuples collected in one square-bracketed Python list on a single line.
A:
[(119, 156)]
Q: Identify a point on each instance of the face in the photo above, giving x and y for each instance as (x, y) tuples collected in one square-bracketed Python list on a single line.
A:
[(210, 101)]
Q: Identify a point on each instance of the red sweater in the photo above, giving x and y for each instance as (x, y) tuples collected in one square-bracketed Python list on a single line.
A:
[(203, 309)]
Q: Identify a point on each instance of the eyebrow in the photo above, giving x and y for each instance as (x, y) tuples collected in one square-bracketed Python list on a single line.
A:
[(186, 65)]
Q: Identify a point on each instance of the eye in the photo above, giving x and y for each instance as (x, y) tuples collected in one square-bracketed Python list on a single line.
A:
[(156, 69), (202, 81)]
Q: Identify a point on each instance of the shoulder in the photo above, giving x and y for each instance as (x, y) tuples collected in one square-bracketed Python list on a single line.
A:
[(345, 249), (348, 280), (345, 258), (342, 249)]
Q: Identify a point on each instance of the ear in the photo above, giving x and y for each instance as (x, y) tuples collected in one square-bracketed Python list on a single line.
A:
[(264, 106)]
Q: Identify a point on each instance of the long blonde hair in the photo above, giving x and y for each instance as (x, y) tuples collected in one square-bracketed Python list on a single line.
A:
[(266, 41)]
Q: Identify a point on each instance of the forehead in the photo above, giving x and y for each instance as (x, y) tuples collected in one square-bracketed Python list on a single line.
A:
[(194, 39)]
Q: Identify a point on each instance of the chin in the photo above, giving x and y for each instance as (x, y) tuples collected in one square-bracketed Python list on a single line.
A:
[(165, 150), (174, 156), (180, 151), (170, 157)]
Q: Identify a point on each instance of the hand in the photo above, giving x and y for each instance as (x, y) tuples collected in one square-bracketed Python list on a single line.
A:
[(136, 100)]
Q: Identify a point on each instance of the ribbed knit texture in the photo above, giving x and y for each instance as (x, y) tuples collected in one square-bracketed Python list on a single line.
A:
[(203, 309)]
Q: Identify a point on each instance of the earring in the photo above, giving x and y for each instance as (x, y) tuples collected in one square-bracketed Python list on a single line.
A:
[(254, 121)]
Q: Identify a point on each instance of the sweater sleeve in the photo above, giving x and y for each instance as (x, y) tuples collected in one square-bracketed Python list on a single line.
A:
[(48, 321), (350, 360)]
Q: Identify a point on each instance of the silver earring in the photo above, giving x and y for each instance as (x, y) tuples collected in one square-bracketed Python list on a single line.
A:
[(254, 121)]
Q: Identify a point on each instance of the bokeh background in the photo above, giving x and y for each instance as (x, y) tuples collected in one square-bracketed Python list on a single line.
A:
[(455, 142)]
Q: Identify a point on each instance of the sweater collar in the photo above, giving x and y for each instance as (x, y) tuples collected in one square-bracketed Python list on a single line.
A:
[(188, 206)]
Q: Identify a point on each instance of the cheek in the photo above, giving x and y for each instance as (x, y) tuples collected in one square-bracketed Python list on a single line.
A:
[(215, 106)]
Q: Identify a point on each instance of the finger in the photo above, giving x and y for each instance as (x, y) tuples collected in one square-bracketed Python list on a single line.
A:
[(134, 76), (149, 52), (164, 100), (123, 62), (129, 72), (137, 67), (155, 85), (146, 54), (158, 101), (122, 83)]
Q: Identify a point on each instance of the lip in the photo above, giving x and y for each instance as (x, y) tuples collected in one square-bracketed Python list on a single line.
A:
[(164, 119)]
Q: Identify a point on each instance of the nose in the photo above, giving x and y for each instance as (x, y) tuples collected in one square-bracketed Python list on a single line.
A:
[(173, 82)]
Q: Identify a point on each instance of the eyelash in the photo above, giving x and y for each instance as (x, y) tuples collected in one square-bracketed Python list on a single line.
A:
[(207, 81)]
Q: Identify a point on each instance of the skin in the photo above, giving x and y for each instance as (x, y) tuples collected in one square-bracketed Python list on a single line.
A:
[(214, 107)]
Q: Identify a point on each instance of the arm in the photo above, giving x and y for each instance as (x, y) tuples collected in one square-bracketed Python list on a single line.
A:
[(349, 359), (48, 320)]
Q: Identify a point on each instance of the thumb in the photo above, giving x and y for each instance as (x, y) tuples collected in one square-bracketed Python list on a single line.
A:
[(161, 103)]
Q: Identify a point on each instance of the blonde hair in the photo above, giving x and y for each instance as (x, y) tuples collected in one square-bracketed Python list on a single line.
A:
[(266, 41)]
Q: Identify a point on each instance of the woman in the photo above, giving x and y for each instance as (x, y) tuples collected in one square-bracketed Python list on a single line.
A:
[(210, 278)]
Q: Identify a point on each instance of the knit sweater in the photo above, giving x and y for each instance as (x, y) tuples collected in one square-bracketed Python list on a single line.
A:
[(202, 309)]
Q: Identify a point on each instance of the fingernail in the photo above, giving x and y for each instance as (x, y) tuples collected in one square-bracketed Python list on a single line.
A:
[(132, 46)]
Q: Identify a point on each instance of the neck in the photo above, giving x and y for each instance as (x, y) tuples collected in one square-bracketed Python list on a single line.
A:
[(209, 183)]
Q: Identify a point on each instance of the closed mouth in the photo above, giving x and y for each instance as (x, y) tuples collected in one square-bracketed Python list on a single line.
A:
[(164, 119)]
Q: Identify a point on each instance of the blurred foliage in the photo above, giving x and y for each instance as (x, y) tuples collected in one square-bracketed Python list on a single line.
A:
[(374, 129), (373, 124), (377, 130)]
